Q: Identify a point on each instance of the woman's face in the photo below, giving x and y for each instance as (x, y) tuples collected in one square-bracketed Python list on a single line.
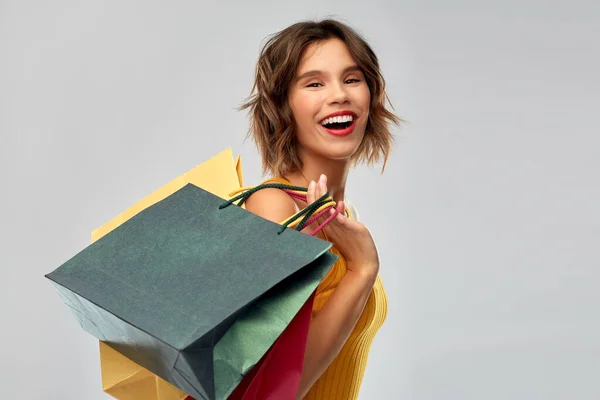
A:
[(329, 99)]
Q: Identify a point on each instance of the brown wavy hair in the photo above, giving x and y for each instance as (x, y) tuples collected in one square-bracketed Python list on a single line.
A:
[(272, 125)]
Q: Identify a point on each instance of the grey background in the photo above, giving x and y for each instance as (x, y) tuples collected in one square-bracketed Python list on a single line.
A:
[(486, 217)]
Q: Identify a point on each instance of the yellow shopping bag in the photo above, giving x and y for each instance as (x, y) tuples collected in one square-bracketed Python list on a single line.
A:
[(125, 380), (122, 378)]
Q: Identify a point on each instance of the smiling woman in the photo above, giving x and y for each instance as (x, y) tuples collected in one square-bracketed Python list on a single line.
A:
[(318, 109)]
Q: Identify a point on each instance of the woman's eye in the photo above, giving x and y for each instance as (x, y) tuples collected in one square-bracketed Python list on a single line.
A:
[(352, 80), (315, 84)]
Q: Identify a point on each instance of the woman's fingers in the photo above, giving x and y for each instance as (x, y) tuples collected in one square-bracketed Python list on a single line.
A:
[(341, 209), (322, 185), (310, 193), (318, 189)]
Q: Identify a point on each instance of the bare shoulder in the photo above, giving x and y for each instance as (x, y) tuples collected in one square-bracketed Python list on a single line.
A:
[(272, 204)]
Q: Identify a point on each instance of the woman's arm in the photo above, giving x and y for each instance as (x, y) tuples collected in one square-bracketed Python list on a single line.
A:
[(330, 327)]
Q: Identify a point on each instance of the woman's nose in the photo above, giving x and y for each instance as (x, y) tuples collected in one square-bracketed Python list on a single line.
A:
[(338, 94)]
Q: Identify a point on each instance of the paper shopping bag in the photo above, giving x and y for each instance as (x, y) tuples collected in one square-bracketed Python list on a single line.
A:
[(164, 287), (126, 380), (122, 378)]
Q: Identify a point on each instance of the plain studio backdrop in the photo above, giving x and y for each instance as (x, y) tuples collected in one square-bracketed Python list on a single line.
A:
[(486, 217)]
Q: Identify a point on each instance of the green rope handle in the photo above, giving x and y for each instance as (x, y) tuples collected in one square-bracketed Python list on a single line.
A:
[(244, 196), (307, 212)]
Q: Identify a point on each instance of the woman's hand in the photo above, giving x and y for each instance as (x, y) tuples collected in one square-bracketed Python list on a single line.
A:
[(350, 237)]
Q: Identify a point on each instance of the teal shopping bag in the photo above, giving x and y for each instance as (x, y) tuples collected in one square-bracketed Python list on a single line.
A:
[(176, 288)]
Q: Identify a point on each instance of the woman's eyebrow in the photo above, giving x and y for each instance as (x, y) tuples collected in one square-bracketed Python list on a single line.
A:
[(316, 72)]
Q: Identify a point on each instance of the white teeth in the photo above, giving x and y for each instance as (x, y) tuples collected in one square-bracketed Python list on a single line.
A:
[(332, 120)]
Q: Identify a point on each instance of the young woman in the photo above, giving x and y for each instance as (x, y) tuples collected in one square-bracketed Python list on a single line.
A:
[(317, 109)]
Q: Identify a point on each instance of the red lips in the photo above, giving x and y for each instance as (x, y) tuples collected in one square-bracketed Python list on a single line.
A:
[(341, 132)]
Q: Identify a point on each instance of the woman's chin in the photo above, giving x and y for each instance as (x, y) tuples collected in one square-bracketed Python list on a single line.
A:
[(340, 152)]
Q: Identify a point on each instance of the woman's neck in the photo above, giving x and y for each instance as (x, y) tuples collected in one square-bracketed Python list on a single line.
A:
[(335, 171)]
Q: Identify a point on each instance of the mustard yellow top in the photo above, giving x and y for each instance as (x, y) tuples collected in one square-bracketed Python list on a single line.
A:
[(343, 378)]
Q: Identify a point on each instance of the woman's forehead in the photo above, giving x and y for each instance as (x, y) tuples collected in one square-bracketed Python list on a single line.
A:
[(328, 56)]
